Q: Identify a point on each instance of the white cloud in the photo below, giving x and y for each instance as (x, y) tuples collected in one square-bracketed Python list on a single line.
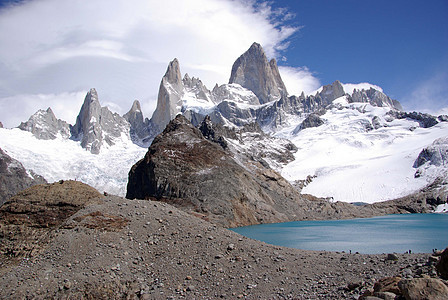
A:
[(298, 80), (429, 96), (65, 106), (350, 87), (122, 48)]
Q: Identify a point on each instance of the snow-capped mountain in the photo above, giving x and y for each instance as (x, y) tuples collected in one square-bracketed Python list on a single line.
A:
[(345, 142)]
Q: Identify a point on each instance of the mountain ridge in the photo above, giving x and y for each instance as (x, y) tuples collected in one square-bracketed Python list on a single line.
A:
[(256, 129)]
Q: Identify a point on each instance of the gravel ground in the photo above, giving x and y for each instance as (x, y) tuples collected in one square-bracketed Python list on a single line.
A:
[(150, 250)]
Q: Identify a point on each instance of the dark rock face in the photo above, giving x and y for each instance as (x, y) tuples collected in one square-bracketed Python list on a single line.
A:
[(436, 154), (27, 219), (253, 71), (45, 126), (442, 265), (425, 120), (208, 131), (313, 120), (96, 125), (1, 125), (140, 130), (14, 178)]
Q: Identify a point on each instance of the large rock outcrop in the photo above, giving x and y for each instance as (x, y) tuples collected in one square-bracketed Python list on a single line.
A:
[(45, 126), (14, 178), (185, 169), (253, 71), (96, 125)]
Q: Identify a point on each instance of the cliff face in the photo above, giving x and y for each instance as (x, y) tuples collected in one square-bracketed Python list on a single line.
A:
[(253, 71)]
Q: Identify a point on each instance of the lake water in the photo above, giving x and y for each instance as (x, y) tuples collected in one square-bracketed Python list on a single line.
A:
[(393, 233)]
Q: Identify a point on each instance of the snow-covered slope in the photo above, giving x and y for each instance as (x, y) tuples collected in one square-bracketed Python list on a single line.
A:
[(65, 159), (349, 160)]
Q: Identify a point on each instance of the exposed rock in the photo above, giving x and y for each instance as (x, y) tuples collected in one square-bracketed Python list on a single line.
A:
[(27, 219), (96, 125), (425, 120), (253, 71), (387, 284), (436, 154), (140, 130), (209, 132), (45, 126), (313, 120), (169, 98), (374, 97), (442, 265), (14, 177), (423, 288), (1, 125), (185, 169)]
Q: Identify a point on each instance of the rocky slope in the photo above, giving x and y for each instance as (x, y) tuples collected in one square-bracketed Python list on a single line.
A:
[(28, 219), (14, 178), (114, 248)]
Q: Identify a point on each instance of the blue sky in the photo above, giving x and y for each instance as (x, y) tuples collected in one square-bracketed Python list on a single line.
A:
[(52, 52), (398, 45)]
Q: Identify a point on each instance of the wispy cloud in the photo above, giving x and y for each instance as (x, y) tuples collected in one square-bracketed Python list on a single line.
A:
[(122, 48), (430, 95), (299, 79)]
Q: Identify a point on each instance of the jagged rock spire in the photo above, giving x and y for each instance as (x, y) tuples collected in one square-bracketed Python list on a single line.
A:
[(96, 125), (170, 93), (253, 71)]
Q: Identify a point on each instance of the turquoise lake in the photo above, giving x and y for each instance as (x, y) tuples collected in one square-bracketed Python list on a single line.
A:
[(420, 233)]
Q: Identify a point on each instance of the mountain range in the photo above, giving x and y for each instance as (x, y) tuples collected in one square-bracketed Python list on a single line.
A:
[(340, 144)]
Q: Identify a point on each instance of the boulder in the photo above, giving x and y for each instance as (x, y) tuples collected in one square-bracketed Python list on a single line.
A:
[(442, 265), (423, 288), (387, 284)]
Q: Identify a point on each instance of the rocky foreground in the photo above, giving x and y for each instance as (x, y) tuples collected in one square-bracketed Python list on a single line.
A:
[(86, 245)]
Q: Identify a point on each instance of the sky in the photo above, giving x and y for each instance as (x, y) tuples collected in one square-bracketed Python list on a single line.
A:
[(53, 51)]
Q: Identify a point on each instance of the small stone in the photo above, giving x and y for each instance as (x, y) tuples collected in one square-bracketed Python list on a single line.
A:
[(230, 247), (190, 288), (392, 256), (188, 277)]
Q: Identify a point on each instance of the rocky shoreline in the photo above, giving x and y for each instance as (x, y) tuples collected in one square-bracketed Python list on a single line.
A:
[(117, 248)]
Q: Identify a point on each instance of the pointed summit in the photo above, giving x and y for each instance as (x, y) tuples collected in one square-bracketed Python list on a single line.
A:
[(96, 125), (140, 128), (45, 126), (173, 75), (169, 100), (253, 71)]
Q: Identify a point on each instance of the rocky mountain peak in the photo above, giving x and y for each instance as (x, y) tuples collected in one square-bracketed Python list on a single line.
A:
[(169, 100), (253, 71), (95, 124), (172, 74), (44, 125)]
